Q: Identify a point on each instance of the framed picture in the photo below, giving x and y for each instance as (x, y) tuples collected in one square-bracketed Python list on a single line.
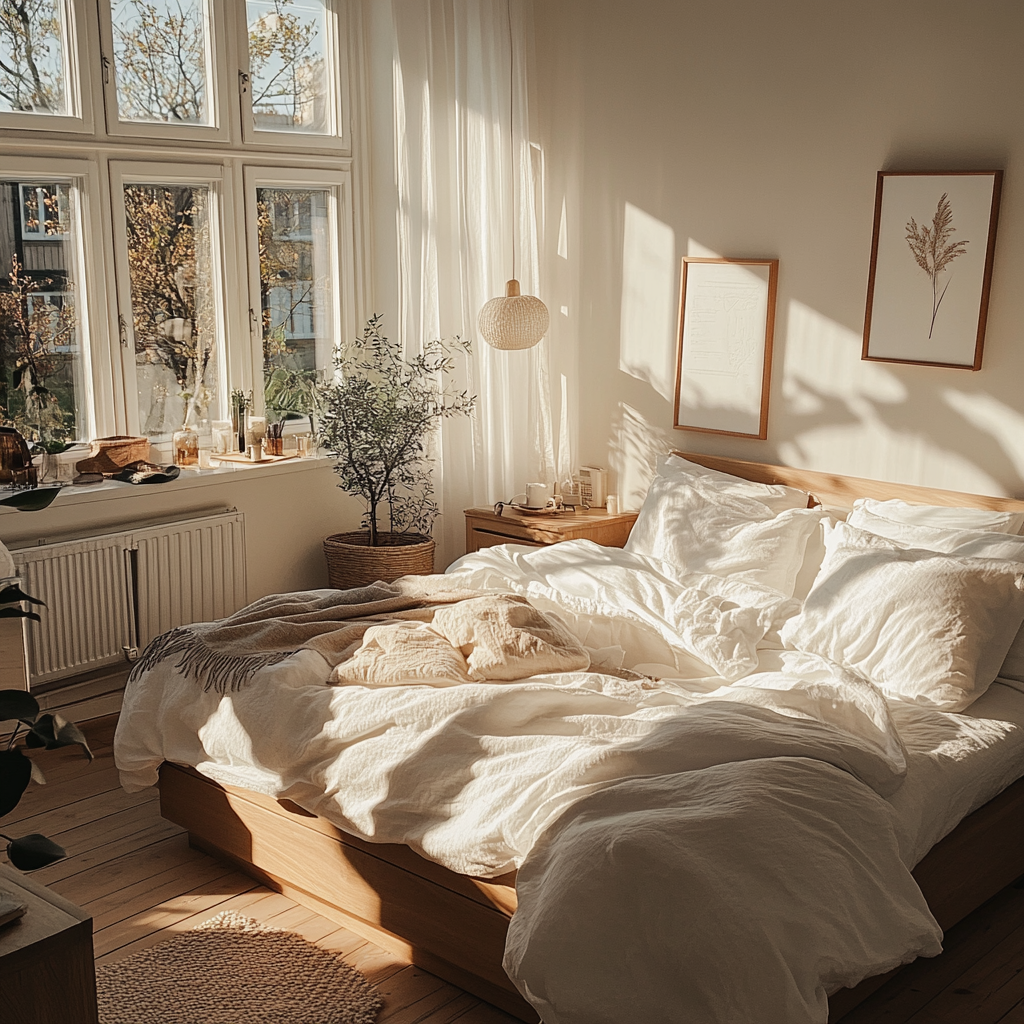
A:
[(931, 267), (724, 355)]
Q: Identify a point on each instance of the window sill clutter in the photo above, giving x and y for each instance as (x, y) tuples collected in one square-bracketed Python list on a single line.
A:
[(190, 477)]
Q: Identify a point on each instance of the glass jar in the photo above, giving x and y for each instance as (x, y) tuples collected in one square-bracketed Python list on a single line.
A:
[(186, 447)]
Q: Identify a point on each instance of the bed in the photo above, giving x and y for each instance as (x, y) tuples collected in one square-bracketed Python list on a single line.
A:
[(455, 923)]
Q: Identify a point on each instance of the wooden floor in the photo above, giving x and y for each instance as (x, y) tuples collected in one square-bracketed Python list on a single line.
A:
[(142, 883)]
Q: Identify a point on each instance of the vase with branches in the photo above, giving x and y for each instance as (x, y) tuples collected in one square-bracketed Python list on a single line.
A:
[(378, 415), (934, 249)]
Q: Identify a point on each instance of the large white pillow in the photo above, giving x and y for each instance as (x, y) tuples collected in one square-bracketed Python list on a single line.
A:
[(922, 626), (697, 527), (962, 543), (939, 516), (778, 497)]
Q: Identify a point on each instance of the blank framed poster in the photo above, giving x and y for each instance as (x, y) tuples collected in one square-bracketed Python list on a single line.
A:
[(724, 355)]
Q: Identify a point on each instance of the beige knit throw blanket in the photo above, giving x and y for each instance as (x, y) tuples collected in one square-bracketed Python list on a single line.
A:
[(223, 656)]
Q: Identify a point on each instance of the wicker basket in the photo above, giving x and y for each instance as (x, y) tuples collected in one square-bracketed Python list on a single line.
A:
[(109, 455), (351, 562)]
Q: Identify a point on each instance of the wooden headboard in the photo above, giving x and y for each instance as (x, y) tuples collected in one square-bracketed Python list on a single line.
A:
[(840, 491)]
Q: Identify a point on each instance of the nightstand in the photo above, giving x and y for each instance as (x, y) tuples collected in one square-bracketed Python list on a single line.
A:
[(484, 528), (46, 958)]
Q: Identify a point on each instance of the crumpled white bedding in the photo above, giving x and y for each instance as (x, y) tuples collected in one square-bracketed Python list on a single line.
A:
[(476, 776)]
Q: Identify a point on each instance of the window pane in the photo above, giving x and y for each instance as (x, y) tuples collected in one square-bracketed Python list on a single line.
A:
[(296, 294), (41, 367), (171, 275), (288, 67), (32, 56), (160, 60)]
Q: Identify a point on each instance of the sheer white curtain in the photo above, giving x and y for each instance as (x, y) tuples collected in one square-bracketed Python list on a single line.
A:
[(455, 170)]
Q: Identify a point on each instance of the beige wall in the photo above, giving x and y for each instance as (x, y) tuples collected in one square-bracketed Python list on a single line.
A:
[(744, 128), (287, 515)]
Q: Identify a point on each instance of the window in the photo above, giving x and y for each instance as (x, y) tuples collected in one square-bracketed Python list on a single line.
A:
[(225, 256), (46, 368), (42, 48)]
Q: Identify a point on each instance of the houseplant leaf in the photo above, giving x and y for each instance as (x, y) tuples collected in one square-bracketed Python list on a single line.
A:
[(18, 613), (31, 501), (12, 592), (51, 731), (17, 704), (33, 851), (15, 773)]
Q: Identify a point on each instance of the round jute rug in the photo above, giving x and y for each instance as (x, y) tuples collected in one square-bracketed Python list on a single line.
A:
[(231, 970)]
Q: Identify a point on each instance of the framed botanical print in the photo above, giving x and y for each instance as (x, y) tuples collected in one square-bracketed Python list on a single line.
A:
[(724, 352), (931, 267)]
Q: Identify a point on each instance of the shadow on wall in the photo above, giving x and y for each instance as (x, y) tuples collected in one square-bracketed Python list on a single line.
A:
[(830, 409)]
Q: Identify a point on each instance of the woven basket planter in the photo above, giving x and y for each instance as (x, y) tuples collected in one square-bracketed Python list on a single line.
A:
[(351, 562)]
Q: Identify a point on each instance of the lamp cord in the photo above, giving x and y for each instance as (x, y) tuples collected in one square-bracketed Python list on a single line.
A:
[(511, 140)]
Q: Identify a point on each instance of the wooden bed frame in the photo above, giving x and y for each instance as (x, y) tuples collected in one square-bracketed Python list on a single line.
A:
[(454, 926)]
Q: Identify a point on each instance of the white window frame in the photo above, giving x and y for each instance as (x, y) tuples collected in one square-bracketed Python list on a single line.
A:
[(342, 253), (338, 63), (79, 28), (226, 283), (219, 99), (90, 299)]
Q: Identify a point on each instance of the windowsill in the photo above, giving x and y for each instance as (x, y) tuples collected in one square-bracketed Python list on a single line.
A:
[(188, 480)]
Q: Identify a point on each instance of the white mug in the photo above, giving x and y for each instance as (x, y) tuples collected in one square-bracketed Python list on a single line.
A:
[(538, 495), (612, 501)]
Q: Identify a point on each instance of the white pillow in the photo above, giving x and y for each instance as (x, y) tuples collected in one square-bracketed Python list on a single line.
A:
[(939, 516), (778, 497), (962, 543), (698, 528), (924, 627)]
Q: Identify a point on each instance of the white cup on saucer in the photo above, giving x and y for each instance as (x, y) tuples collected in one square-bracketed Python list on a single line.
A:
[(538, 495)]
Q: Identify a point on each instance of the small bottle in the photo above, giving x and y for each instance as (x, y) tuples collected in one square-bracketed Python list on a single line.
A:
[(186, 447)]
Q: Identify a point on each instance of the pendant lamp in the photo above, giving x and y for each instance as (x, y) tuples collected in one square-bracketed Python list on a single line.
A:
[(513, 321)]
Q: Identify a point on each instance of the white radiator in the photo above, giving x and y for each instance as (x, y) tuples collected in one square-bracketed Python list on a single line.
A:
[(107, 596)]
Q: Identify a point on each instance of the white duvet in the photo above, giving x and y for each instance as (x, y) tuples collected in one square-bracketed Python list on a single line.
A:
[(731, 815)]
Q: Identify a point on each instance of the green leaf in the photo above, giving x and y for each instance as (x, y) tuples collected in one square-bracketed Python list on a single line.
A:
[(54, 731), (15, 772), (31, 501), (33, 851), (12, 592), (15, 704)]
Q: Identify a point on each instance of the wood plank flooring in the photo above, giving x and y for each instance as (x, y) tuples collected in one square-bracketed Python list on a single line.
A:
[(142, 883)]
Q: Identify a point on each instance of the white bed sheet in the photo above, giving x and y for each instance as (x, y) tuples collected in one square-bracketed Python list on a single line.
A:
[(955, 764)]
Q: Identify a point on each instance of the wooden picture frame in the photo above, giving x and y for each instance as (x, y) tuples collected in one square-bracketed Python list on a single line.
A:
[(724, 347), (931, 267)]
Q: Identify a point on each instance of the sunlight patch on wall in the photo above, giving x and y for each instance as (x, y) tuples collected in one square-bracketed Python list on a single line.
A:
[(694, 248), (649, 293), (848, 416), (988, 414), (635, 446)]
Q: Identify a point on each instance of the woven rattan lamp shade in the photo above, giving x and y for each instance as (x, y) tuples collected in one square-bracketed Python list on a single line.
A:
[(515, 321)]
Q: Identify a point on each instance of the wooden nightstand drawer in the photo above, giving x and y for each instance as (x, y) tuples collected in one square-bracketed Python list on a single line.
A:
[(484, 528)]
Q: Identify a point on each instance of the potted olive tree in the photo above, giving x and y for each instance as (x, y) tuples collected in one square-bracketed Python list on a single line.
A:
[(377, 416)]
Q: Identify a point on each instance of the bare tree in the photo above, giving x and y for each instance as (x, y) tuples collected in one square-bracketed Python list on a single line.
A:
[(30, 46)]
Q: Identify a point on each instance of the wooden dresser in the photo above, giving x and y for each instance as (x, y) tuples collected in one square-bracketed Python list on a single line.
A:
[(484, 528)]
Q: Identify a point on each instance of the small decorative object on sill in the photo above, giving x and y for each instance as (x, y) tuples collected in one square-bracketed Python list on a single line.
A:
[(14, 453), (303, 445), (224, 437), (186, 447), (147, 473), (273, 446), (240, 402), (257, 426), (109, 455)]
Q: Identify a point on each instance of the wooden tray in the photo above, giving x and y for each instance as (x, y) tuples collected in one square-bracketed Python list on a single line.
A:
[(243, 459)]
